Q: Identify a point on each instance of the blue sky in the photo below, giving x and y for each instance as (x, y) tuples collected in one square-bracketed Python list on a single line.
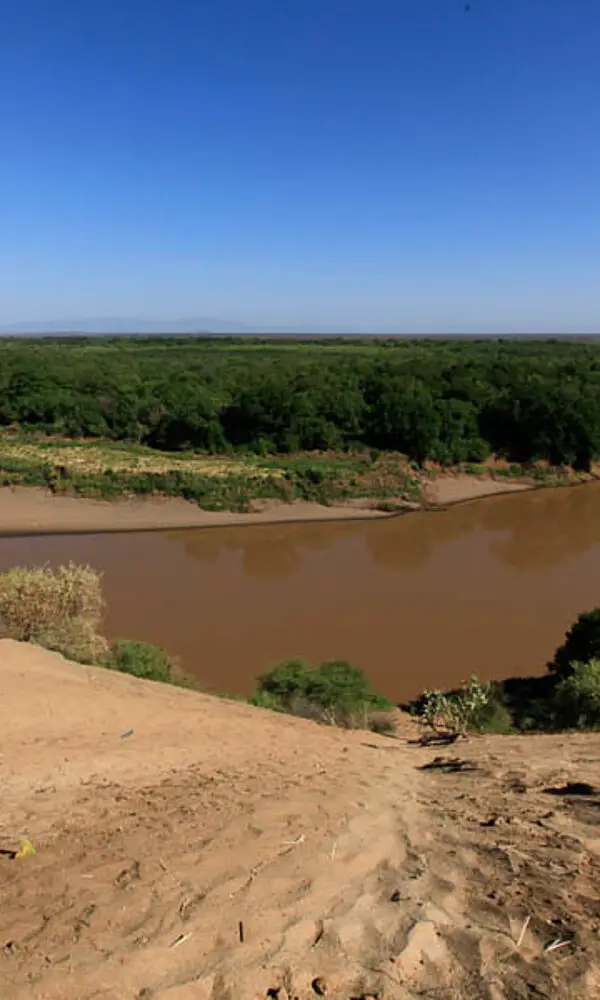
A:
[(396, 165)]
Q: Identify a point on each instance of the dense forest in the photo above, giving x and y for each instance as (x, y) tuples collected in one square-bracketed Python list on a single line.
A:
[(448, 401)]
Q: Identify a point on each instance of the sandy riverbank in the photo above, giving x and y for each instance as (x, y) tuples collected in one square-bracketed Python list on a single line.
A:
[(30, 510), (452, 489), (37, 511)]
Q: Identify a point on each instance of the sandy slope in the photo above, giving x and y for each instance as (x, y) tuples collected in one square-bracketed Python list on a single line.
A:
[(332, 854)]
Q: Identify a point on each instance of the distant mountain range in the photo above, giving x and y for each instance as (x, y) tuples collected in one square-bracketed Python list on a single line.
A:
[(121, 324), (113, 325)]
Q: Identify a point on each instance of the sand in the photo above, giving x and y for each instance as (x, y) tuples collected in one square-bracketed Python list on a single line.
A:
[(32, 510), (189, 847), (459, 488)]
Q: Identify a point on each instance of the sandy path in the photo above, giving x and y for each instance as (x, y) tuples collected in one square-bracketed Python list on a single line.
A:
[(333, 855), (32, 510)]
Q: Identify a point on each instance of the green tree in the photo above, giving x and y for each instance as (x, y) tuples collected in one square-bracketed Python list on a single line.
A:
[(576, 698), (581, 645)]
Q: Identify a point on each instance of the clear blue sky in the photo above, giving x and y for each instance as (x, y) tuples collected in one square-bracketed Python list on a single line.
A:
[(361, 164)]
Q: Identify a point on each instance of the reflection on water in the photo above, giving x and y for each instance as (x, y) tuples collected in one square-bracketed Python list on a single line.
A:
[(553, 526), (548, 527), (279, 550), (420, 600), (270, 551)]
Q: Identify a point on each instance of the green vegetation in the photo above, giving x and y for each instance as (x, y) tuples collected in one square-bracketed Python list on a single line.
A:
[(582, 644), (108, 470), (475, 707), (576, 698), (143, 659), (444, 401), (61, 609), (566, 697), (336, 693)]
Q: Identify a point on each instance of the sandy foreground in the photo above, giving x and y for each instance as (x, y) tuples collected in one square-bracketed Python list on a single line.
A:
[(33, 510), (189, 847)]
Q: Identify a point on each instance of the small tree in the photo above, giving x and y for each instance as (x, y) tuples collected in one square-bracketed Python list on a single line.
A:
[(336, 692), (470, 709), (576, 698), (343, 692), (285, 681), (582, 643)]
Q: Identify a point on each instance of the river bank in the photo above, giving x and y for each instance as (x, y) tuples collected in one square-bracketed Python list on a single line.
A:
[(34, 510), (53, 485)]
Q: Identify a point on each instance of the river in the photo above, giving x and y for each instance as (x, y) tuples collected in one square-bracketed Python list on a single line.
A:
[(422, 600)]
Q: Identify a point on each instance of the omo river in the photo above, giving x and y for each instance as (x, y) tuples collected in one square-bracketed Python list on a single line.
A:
[(418, 601)]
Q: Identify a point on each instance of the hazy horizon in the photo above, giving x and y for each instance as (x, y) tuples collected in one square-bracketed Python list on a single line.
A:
[(208, 327)]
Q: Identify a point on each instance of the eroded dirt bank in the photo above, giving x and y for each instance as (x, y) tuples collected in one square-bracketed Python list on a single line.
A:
[(189, 847)]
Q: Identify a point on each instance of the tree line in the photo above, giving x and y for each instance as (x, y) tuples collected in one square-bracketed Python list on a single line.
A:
[(445, 401)]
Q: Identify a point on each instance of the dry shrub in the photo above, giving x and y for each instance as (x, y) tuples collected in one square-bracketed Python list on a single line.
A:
[(60, 609)]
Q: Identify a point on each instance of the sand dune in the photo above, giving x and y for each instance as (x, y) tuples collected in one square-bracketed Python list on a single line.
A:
[(221, 852)]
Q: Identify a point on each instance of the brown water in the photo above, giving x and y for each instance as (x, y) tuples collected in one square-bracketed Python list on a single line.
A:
[(418, 601)]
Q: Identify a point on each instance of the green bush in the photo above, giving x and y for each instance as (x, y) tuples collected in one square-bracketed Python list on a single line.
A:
[(475, 707), (495, 717), (529, 701), (144, 660), (284, 681), (582, 643), (264, 699), (337, 692), (576, 698), (567, 697)]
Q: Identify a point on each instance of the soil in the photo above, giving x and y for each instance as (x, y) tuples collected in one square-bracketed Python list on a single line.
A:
[(190, 847), (443, 491), (32, 510)]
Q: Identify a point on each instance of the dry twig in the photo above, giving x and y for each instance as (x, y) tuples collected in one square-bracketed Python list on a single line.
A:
[(523, 931)]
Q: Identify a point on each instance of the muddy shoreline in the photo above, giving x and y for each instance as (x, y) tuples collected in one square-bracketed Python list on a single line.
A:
[(35, 511)]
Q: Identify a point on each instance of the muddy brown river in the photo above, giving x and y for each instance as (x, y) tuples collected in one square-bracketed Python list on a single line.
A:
[(418, 601)]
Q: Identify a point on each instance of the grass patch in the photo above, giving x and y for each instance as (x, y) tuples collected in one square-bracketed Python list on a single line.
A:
[(93, 457), (108, 471)]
